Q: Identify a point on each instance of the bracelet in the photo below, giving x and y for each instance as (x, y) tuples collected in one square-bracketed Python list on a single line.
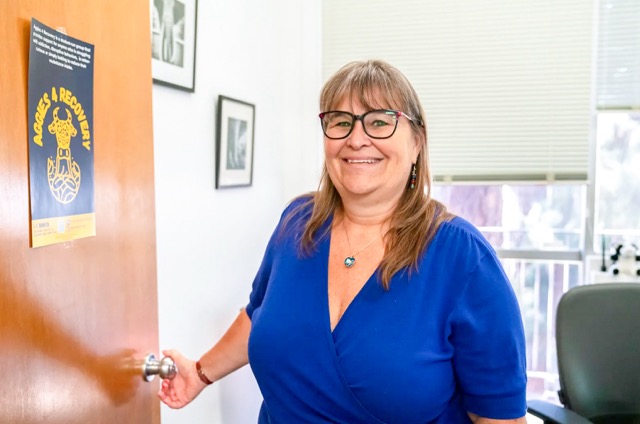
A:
[(202, 375)]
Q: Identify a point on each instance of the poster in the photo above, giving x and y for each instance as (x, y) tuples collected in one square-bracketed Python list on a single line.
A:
[(61, 145)]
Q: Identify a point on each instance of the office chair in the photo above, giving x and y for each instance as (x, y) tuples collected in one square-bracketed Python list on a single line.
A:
[(598, 344)]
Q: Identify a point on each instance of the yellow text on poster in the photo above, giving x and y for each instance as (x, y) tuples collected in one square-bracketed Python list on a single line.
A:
[(48, 231)]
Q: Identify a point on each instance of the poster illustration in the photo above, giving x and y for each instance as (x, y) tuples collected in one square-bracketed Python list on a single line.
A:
[(61, 145)]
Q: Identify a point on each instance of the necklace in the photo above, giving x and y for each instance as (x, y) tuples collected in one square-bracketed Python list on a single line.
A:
[(350, 261)]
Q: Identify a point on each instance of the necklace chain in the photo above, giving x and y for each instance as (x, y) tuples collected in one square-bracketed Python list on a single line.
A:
[(350, 261)]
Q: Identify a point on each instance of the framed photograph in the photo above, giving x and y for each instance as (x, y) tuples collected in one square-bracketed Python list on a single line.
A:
[(234, 142), (173, 43)]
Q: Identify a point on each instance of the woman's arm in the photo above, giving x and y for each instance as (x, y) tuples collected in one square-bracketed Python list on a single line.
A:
[(229, 354), (480, 420)]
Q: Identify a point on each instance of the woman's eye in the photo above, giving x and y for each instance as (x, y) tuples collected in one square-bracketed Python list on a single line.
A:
[(379, 123), (342, 124)]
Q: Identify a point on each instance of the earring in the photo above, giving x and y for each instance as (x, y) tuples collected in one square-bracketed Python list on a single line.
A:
[(413, 176)]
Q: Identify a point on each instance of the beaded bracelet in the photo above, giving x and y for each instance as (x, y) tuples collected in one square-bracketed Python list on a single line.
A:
[(202, 375)]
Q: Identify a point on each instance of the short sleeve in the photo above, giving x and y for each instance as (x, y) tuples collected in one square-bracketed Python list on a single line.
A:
[(259, 285), (290, 223), (489, 346)]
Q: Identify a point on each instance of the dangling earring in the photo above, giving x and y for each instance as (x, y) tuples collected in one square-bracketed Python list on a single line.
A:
[(413, 176)]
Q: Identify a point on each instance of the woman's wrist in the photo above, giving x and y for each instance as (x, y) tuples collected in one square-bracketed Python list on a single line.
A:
[(201, 374)]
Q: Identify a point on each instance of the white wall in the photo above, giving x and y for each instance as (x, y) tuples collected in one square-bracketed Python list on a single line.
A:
[(210, 242)]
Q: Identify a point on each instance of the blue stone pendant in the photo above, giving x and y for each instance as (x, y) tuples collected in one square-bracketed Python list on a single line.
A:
[(349, 261)]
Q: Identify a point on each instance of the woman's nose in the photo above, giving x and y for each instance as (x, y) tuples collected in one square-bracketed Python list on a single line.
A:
[(358, 136)]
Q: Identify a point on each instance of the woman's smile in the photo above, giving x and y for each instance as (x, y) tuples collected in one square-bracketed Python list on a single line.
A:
[(362, 161)]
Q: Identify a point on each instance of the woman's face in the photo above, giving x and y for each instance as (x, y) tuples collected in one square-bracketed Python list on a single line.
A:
[(363, 166)]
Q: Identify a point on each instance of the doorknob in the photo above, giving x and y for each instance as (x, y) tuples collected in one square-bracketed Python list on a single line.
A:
[(166, 368)]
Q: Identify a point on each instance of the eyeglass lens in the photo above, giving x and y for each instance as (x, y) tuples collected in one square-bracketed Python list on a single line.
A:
[(376, 123)]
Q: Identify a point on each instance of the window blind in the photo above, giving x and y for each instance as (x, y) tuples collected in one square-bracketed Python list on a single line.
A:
[(505, 84), (618, 55)]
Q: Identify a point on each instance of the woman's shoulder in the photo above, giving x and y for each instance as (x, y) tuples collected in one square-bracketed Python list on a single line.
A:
[(296, 214), (299, 207), (303, 199), (459, 224), (459, 232), (460, 248)]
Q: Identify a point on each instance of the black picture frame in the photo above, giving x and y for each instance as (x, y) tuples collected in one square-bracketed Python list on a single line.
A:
[(235, 123), (173, 43)]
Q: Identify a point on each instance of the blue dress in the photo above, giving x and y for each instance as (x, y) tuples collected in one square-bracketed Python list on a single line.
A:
[(442, 341)]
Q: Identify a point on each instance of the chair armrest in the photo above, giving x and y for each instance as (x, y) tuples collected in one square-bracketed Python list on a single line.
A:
[(551, 413)]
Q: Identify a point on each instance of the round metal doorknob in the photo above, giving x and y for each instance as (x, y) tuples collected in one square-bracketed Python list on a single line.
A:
[(166, 368)]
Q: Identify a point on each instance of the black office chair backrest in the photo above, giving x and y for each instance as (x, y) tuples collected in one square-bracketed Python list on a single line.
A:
[(598, 342)]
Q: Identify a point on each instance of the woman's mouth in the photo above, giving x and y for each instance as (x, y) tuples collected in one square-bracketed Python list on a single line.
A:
[(357, 161)]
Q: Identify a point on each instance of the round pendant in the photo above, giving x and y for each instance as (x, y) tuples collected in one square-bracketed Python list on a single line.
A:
[(349, 261)]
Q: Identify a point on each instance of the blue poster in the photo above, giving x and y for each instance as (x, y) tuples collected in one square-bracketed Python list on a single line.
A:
[(61, 145)]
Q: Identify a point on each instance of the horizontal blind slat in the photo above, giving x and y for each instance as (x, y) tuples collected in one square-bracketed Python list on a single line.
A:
[(505, 85)]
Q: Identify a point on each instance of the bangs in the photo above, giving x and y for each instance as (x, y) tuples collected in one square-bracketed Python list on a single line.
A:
[(370, 86), (372, 98)]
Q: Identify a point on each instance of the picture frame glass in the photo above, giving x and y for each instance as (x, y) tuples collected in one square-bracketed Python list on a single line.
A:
[(173, 42), (235, 143)]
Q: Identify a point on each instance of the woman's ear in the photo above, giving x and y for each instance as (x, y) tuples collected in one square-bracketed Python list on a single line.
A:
[(417, 147)]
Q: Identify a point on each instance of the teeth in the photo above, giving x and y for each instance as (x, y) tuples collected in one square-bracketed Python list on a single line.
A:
[(362, 160)]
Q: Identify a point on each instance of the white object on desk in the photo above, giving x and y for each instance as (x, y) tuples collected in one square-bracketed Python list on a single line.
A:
[(608, 277)]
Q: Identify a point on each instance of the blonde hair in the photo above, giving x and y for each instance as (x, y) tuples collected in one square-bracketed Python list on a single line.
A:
[(377, 85)]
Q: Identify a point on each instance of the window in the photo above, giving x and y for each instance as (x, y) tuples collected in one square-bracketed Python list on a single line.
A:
[(522, 216), (617, 179), (617, 193), (539, 284), (506, 85)]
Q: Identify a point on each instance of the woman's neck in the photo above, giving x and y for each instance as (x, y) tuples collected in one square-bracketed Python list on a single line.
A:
[(358, 215), (366, 211)]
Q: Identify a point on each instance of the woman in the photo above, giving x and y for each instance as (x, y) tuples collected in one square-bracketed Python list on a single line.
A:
[(373, 304)]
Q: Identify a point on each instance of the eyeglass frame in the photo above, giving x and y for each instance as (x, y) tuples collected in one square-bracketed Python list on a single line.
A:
[(360, 118)]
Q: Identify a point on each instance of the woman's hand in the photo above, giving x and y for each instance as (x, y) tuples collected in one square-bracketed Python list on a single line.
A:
[(480, 420), (185, 386), (229, 354)]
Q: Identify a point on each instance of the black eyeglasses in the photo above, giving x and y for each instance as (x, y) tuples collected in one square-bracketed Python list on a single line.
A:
[(379, 124)]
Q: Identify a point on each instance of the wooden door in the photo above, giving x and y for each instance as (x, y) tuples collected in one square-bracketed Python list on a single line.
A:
[(75, 317)]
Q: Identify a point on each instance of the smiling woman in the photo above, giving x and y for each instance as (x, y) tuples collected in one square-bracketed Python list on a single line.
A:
[(373, 303)]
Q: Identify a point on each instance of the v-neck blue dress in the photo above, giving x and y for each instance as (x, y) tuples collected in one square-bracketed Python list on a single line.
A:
[(442, 341)]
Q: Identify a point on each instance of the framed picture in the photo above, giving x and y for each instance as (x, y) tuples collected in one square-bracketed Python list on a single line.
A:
[(234, 143), (173, 43)]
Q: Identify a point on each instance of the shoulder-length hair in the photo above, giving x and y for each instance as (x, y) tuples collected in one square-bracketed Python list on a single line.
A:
[(377, 85)]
